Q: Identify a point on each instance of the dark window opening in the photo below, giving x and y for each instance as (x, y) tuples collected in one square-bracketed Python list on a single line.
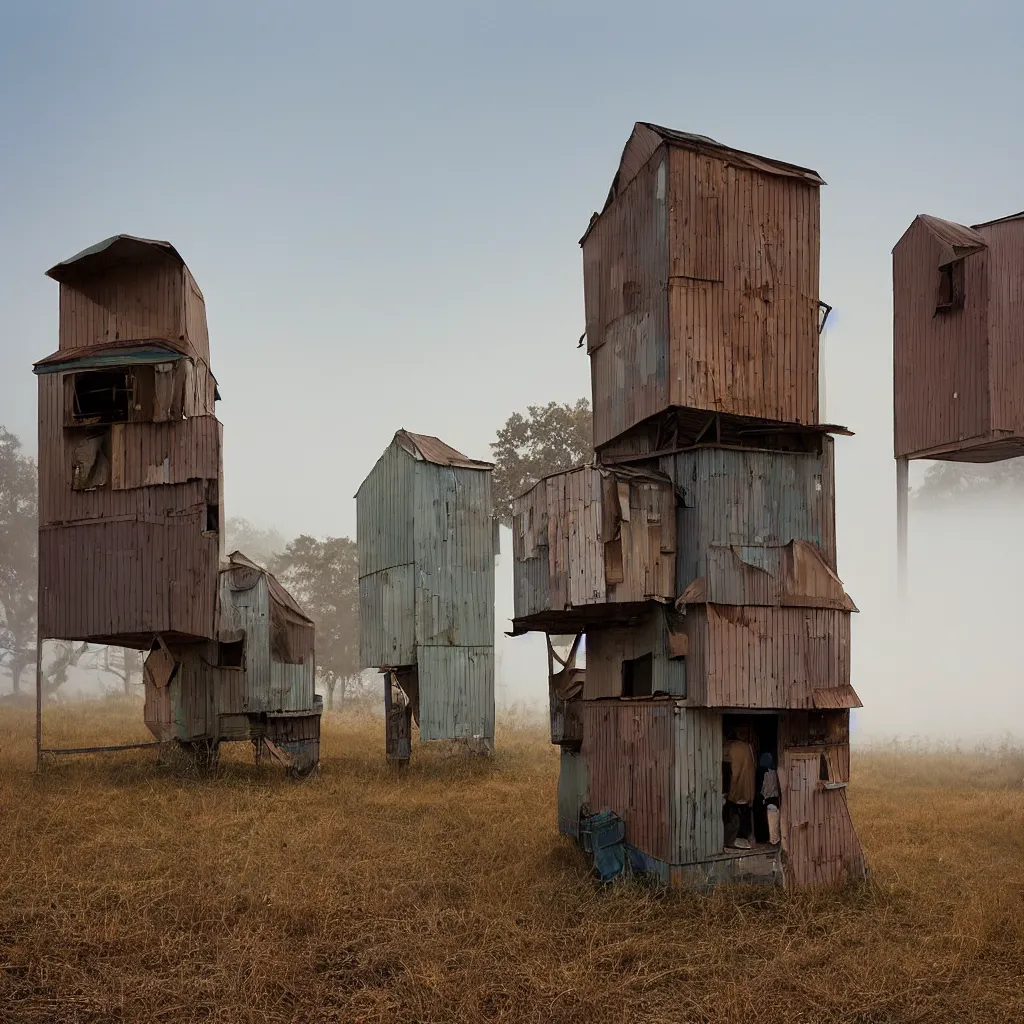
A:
[(104, 396), (817, 730), (212, 519), (951, 287), (823, 768), (231, 655), (638, 676)]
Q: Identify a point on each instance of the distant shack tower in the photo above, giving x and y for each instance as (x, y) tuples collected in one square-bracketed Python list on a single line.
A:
[(131, 515), (426, 538), (958, 340), (129, 452)]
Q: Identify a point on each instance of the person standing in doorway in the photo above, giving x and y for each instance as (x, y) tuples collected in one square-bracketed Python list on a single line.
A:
[(739, 755), (771, 794)]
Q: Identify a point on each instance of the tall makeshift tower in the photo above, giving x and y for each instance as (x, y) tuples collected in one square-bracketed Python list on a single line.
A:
[(695, 559), (131, 513)]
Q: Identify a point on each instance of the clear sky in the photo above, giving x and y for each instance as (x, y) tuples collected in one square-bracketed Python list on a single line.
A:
[(382, 204)]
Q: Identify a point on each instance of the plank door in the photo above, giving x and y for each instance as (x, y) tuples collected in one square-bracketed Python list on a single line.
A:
[(820, 844)]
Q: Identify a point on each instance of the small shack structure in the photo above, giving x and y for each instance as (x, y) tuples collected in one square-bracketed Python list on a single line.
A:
[(695, 560), (255, 682), (130, 469), (427, 541), (700, 280), (958, 334)]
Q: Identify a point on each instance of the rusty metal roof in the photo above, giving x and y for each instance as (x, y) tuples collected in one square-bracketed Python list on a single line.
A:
[(239, 562), (1000, 220), (736, 157), (433, 449), (113, 250), (953, 235)]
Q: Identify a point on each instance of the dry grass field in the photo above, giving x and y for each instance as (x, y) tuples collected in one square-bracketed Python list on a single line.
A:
[(131, 891)]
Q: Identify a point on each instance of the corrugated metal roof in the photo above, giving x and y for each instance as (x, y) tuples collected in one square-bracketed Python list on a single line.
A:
[(433, 449), (115, 249), (958, 238), (1000, 220), (737, 157), (236, 560), (111, 354)]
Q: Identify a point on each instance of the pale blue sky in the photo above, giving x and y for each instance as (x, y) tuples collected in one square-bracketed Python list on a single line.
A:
[(382, 202)]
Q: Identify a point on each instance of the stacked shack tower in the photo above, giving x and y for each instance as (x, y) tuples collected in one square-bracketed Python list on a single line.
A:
[(695, 559), (131, 512), (427, 538), (958, 335)]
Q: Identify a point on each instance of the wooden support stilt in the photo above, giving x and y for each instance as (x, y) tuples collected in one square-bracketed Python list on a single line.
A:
[(902, 511)]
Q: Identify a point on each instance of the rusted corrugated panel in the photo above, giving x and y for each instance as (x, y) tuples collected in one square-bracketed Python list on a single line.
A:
[(456, 692), (701, 289), (629, 749), (758, 657), (1005, 256), (837, 697), (819, 840), (941, 364), (128, 578), (590, 537), (743, 290), (128, 288), (747, 497), (433, 449), (625, 273), (608, 647), (697, 828)]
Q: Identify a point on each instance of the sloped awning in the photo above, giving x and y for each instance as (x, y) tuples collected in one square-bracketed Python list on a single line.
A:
[(836, 698)]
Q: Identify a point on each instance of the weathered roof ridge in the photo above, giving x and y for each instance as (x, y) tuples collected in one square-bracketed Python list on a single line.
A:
[(950, 233), (115, 249), (278, 593), (433, 449)]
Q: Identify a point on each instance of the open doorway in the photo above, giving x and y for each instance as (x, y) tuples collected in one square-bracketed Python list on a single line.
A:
[(746, 740)]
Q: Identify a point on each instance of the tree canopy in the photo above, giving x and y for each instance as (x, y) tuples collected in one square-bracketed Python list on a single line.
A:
[(323, 576), (947, 481), (548, 439), (18, 542)]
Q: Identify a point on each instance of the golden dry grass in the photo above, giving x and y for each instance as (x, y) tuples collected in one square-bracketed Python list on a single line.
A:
[(136, 892)]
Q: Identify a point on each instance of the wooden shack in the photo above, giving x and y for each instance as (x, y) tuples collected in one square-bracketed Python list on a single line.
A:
[(255, 682), (130, 475), (958, 336), (701, 288), (592, 544), (427, 540)]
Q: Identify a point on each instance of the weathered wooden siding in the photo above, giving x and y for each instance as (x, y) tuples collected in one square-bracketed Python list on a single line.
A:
[(128, 577), (572, 791), (1005, 272), (763, 657), (386, 543), (697, 829), (454, 557), (701, 291), (742, 290), (590, 537), (625, 279), (195, 317), (747, 498), (456, 692), (819, 840), (941, 362), (387, 620), (629, 748), (608, 647), (269, 685), (137, 453)]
